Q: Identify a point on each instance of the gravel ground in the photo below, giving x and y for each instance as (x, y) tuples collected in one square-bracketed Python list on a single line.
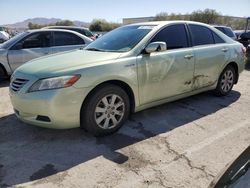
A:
[(181, 144)]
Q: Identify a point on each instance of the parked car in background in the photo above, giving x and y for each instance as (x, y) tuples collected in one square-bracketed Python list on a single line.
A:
[(238, 33), (227, 31), (244, 38), (129, 69), (248, 52), (36, 43), (4, 36), (235, 175), (82, 30)]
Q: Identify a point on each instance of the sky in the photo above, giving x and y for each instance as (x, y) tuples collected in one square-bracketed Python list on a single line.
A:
[(13, 11)]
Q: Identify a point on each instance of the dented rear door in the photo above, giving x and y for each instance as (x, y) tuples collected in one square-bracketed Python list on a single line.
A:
[(208, 62)]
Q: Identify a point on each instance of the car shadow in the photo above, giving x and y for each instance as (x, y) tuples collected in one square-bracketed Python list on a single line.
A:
[(29, 153)]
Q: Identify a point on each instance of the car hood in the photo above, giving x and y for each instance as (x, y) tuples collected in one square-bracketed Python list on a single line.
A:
[(66, 62)]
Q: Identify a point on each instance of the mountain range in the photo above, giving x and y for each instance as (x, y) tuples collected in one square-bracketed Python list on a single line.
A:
[(43, 21)]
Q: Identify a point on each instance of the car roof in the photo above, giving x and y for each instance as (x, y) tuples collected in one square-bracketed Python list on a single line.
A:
[(62, 30), (222, 26), (68, 27), (162, 23)]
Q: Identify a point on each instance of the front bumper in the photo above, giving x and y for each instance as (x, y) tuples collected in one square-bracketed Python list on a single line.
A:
[(58, 109)]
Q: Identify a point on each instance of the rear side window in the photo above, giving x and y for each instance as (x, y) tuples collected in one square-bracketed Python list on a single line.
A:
[(201, 35), (175, 36), (217, 39), (66, 39)]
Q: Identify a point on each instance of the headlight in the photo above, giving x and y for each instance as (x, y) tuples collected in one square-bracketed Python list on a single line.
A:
[(54, 83)]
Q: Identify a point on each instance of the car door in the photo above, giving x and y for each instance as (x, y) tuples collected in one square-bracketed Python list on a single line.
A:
[(65, 41), (32, 46), (168, 73), (210, 55)]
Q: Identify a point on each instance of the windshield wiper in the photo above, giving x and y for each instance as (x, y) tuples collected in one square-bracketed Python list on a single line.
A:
[(94, 49)]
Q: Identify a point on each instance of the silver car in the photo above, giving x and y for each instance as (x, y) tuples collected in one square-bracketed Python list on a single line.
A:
[(36, 43)]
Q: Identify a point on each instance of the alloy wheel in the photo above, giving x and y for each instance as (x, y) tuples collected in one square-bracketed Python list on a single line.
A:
[(227, 81), (109, 111)]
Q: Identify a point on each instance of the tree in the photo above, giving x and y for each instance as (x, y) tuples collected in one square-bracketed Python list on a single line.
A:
[(34, 26), (161, 16), (208, 16), (64, 23), (103, 25)]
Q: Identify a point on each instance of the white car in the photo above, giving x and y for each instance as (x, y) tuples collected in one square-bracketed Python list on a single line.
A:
[(4, 36)]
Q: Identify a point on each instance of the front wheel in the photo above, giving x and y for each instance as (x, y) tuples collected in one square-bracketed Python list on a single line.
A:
[(226, 81), (105, 110)]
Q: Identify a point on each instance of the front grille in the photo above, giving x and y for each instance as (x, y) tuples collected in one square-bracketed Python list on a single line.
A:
[(17, 84)]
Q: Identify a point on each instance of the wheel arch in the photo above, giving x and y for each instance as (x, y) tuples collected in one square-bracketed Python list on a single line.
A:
[(236, 68), (123, 85), (4, 69)]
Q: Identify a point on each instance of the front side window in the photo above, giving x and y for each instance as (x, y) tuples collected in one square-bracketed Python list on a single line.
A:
[(66, 39), (36, 40), (175, 36), (201, 35), (122, 39)]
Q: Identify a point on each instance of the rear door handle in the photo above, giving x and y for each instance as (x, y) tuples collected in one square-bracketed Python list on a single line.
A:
[(188, 56), (224, 49)]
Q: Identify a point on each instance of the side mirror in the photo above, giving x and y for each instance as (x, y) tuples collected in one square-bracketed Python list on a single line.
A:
[(156, 47)]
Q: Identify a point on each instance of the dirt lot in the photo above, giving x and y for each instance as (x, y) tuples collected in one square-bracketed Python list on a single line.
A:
[(180, 144)]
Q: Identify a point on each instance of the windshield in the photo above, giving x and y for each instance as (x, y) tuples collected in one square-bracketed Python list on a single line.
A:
[(8, 43), (122, 39)]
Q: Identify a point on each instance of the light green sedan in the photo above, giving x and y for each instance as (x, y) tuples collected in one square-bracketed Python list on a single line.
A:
[(129, 69)]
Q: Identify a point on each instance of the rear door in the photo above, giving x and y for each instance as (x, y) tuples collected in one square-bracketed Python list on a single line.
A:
[(65, 41), (210, 55), (32, 46)]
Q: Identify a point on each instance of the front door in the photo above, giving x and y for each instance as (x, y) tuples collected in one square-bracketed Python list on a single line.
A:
[(165, 74), (33, 46)]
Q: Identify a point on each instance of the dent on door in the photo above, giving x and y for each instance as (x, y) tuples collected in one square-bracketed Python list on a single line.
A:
[(163, 75), (208, 63)]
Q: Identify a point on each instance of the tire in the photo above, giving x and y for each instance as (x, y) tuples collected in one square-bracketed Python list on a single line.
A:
[(226, 81), (105, 110), (2, 74)]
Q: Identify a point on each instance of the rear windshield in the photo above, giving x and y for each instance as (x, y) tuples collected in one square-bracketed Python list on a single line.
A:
[(227, 31)]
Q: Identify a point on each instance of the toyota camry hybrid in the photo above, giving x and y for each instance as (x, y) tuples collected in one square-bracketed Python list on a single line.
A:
[(127, 70)]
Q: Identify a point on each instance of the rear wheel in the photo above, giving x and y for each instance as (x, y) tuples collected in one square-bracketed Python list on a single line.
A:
[(105, 111), (2, 74), (226, 81)]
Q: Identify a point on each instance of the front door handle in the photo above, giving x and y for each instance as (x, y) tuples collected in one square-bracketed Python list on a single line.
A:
[(188, 56), (224, 49)]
